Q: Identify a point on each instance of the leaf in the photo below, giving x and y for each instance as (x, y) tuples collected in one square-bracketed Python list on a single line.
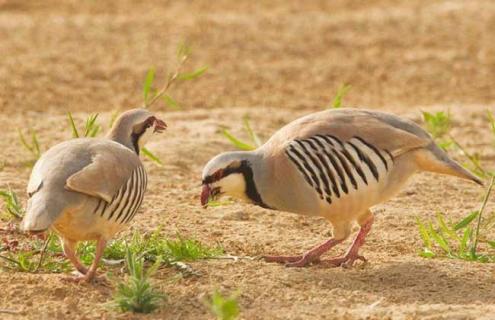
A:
[(463, 243), (341, 92), (171, 103), (491, 243), (91, 128), (36, 144), (192, 75), (254, 137), (236, 142), (424, 233), (439, 239), (151, 156), (427, 253), (183, 50), (443, 226), (148, 82), (75, 134), (467, 220)]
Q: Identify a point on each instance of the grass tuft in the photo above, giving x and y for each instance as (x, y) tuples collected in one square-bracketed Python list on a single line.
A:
[(224, 308), (137, 293), (254, 142), (457, 240), (11, 204), (339, 96)]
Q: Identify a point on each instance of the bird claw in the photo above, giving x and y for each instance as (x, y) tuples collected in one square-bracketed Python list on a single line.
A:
[(86, 278), (345, 262)]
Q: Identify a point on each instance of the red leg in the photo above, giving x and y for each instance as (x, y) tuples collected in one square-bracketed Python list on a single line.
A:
[(69, 251), (90, 274), (352, 255), (307, 258)]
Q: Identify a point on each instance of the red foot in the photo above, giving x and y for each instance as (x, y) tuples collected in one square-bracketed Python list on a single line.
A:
[(346, 262)]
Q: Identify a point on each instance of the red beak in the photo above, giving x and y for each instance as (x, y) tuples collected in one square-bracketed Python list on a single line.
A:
[(205, 195), (160, 126)]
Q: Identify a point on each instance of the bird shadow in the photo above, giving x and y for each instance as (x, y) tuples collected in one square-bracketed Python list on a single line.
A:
[(414, 282)]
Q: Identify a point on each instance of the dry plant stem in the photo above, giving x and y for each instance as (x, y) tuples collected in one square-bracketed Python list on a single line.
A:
[(485, 200), (9, 259), (43, 251), (169, 83)]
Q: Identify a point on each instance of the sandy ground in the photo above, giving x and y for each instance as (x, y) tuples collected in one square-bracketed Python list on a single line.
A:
[(273, 62)]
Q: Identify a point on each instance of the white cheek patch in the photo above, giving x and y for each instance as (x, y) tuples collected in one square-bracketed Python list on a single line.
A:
[(233, 185)]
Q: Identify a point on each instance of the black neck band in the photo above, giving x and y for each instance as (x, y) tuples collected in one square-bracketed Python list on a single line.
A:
[(251, 190)]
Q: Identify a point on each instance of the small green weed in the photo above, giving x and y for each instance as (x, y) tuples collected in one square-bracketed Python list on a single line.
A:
[(12, 206), (456, 240), (33, 146), (91, 127), (152, 95), (254, 142), (137, 294), (339, 96), (438, 125), (224, 308)]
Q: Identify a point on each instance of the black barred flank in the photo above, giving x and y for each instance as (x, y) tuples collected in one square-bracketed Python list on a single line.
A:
[(375, 150), (126, 202), (328, 164), (364, 158)]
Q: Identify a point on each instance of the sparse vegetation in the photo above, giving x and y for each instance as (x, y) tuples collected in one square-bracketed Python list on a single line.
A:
[(254, 140), (438, 125), (223, 308), (137, 294), (458, 240), (33, 146), (91, 127), (151, 95), (339, 96), (12, 206)]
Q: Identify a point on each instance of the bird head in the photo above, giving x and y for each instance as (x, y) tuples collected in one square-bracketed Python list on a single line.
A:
[(225, 174), (133, 128)]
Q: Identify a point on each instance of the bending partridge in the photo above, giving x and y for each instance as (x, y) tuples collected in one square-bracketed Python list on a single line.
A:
[(90, 188), (335, 164)]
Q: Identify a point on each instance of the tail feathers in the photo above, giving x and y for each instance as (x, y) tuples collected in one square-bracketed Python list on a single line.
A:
[(434, 159)]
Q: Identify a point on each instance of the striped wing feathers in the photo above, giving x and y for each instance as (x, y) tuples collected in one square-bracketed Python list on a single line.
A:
[(126, 202), (334, 167)]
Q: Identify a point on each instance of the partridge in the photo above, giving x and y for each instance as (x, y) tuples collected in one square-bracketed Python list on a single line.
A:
[(91, 188), (336, 164)]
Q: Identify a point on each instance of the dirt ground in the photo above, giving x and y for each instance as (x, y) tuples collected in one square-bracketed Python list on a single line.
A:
[(275, 61)]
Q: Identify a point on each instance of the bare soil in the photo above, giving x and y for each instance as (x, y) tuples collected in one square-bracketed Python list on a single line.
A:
[(274, 62)]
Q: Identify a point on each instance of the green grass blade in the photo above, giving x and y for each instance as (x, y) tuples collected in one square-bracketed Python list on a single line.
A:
[(192, 75), (91, 128), (36, 144), (424, 233), (252, 135), (151, 156), (439, 239), (171, 103), (339, 96), (24, 142), (491, 244), (236, 142), (75, 133), (466, 221), (445, 228), (148, 83)]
